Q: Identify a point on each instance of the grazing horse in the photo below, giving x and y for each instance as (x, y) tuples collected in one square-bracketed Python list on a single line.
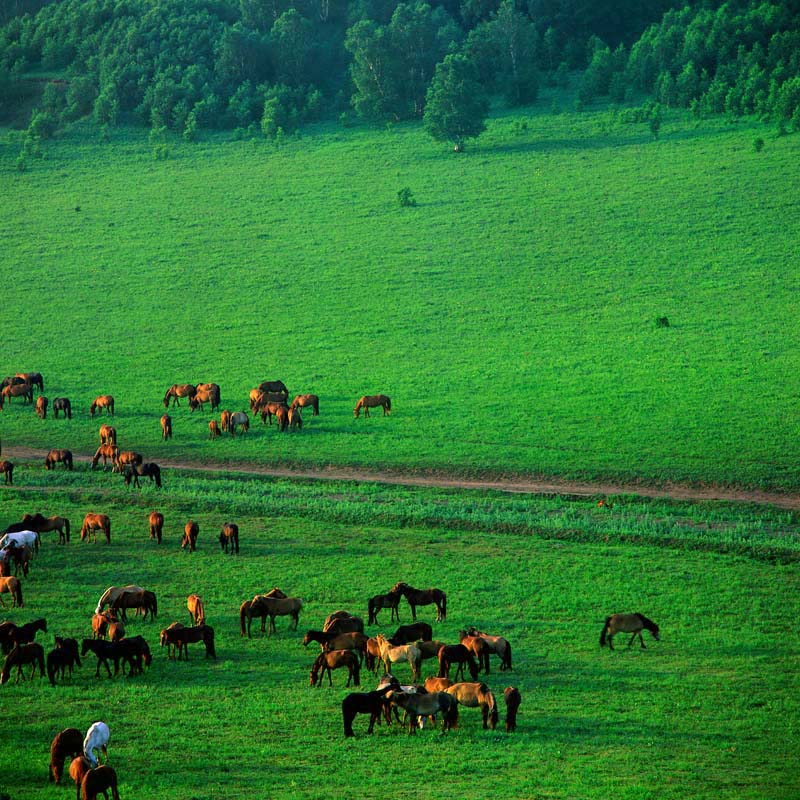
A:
[(627, 623), (423, 705), (395, 654), (373, 401), (20, 538), (411, 633), (148, 470), (103, 401), (108, 452), (105, 651), (437, 684), (338, 641), (22, 390), (66, 743), (136, 651), (513, 701), (41, 407), (93, 523), (478, 647), (58, 456), (111, 594), (156, 520), (7, 468), (295, 419), (182, 637), (497, 645), (21, 655), (13, 586), (42, 524), (274, 408), (60, 658), (22, 555), (329, 660), (166, 427), (143, 599), (379, 601), (96, 739), (115, 630), (477, 695), (77, 769), (264, 606), (456, 654), (224, 420), (33, 378), (190, 532), (229, 537), (108, 434), (274, 386), (101, 622), (238, 420), (371, 703), (64, 405), (179, 390), (346, 624), (128, 458), (206, 393), (197, 612), (303, 400), (213, 429), (428, 649), (423, 597), (99, 781)]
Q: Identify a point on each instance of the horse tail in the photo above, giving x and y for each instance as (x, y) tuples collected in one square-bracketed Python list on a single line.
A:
[(154, 609), (442, 663), (243, 609), (356, 672), (389, 404), (371, 611), (603, 633), (51, 674), (444, 605), (66, 528), (506, 656), (108, 531)]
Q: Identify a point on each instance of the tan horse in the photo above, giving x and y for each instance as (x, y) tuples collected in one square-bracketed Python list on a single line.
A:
[(22, 390), (197, 611), (166, 427), (394, 655), (477, 695), (224, 420), (103, 401), (304, 400), (13, 586), (295, 419), (178, 390), (156, 520), (190, 533), (373, 401), (627, 623), (497, 645), (59, 456), (93, 523), (329, 660), (213, 429), (41, 407), (108, 434), (206, 393), (7, 468), (108, 452), (128, 458)]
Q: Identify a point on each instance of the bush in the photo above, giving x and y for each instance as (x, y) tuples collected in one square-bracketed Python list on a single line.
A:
[(758, 144), (406, 198)]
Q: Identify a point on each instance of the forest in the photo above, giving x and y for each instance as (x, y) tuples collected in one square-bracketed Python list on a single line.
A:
[(269, 66)]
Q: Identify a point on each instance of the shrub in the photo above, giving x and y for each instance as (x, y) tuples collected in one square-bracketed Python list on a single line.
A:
[(406, 198)]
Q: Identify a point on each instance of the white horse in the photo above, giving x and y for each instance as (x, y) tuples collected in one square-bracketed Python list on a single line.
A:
[(19, 538), (112, 593), (404, 652), (96, 739), (239, 420)]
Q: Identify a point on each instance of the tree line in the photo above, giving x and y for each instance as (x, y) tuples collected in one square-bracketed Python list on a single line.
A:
[(272, 65)]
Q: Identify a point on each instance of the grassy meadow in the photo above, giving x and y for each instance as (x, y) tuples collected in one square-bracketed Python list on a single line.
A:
[(710, 711), (510, 314)]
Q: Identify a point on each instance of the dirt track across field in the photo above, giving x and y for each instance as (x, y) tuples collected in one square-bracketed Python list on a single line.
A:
[(442, 481)]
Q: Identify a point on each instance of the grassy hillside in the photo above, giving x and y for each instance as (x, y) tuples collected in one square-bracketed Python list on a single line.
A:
[(510, 314), (709, 711)]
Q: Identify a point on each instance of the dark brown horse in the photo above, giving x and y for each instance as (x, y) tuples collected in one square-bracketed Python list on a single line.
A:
[(93, 523), (60, 456), (423, 597), (66, 744), (373, 401), (33, 378), (346, 624), (7, 468), (513, 701), (206, 393), (148, 470), (338, 641), (275, 408), (229, 537), (108, 434), (451, 654), (391, 600), (274, 386), (627, 623), (372, 703), (190, 532), (103, 401), (62, 658), (99, 781), (166, 427), (182, 637), (329, 660), (64, 405), (41, 524), (411, 633), (108, 452), (21, 655), (143, 599), (156, 520), (178, 390), (41, 407)]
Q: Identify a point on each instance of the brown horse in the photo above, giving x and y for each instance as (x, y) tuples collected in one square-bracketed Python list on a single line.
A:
[(66, 743), (93, 523), (229, 537), (627, 623), (166, 427), (424, 705), (373, 401), (77, 769), (41, 407), (274, 386), (58, 457), (197, 612), (437, 684), (264, 606), (411, 633), (190, 532), (41, 524), (103, 401), (295, 419), (428, 649), (22, 390), (224, 420), (456, 654), (128, 458), (329, 660), (101, 622), (21, 655), (143, 599), (423, 597), (21, 555), (338, 641), (478, 647), (346, 624), (213, 429), (156, 520), (7, 468), (13, 586), (372, 703), (149, 470), (33, 378), (477, 695), (497, 645), (513, 701), (304, 400), (108, 434), (181, 638), (108, 452), (115, 630), (64, 405), (178, 390), (206, 393), (379, 601), (274, 408), (99, 781)]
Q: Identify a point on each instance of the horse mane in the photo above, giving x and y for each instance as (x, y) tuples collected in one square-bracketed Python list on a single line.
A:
[(648, 623)]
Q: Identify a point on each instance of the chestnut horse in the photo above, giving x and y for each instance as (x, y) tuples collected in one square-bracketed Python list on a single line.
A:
[(7, 468), (329, 660), (497, 645), (224, 420), (99, 781), (108, 434), (478, 647), (156, 520), (41, 407), (190, 532), (206, 393), (513, 701), (295, 419), (13, 586), (77, 769), (477, 695), (373, 401), (58, 456), (303, 400), (423, 597), (93, 523), (456, 654), (213, 429), (166, 427), (33, 378), (627, 623), (108, 452), (197, 612), (273, 408), (103, 401), (128, 457), (134, 472), (21, 655), (183, 637), (229, 537), (62, 404), (66, 743), (22, 390), (143, 599), (338, 641), (179, 390)]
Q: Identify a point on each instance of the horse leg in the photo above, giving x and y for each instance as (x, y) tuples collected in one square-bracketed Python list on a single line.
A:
[(630, 642), (413, 612), (610, 641), (639, 635)]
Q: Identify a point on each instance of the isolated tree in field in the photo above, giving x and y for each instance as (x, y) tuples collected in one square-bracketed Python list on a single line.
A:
[(457, 104)]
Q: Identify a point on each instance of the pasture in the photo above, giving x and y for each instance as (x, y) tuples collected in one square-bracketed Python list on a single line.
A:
[(510, 315), (709, 711)]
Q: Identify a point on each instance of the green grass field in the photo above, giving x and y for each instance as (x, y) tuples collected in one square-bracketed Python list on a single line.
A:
[(510, 315), (710, 711)]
